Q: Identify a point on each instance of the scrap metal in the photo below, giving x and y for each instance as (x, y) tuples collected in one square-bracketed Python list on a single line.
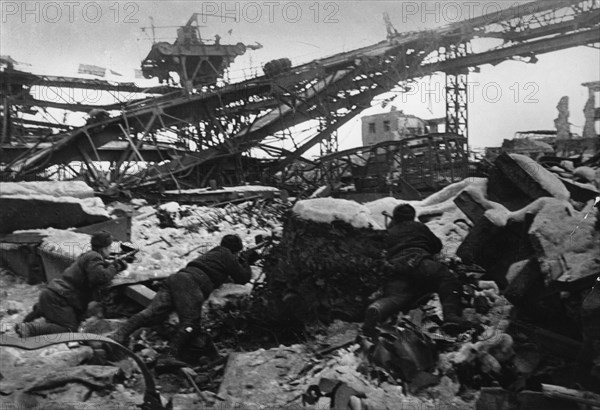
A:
[(224, 122)]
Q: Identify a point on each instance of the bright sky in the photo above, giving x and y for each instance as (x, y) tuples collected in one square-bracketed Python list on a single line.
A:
[(55, 37)]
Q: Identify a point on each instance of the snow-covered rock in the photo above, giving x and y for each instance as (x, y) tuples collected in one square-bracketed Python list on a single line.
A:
[(547, 180), (327, 210)]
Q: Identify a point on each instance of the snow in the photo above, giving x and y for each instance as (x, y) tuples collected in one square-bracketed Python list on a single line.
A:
[(75, 189), (62, 242), (242, 188), (590, 174), (327, 210), (170, 207), (452, 190), (565, 235), (585, 172), (162, 251), (500, 216), (441, 207), (56, 191), (549, 181)]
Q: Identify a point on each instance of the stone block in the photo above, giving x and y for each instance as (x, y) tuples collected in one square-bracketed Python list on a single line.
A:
[(495, 248)]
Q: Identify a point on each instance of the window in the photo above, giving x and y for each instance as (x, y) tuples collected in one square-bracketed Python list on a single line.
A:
[(386, 126), (372, 128)]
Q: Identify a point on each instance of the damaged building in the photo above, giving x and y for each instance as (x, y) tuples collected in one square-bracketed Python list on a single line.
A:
[(159, 177)]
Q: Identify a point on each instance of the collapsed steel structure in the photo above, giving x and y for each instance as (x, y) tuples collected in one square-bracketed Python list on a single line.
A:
[(214, 129)]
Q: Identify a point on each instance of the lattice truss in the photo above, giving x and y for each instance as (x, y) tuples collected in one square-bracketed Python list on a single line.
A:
[(240, 128)]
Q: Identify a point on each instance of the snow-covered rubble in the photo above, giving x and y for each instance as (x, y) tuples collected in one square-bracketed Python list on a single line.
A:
[(74, 189), (327, 210), (545, 178), (443, 217), (74, 192), (163, 251)]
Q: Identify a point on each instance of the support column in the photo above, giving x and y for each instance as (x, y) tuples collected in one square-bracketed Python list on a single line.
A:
[(456, 93), (457, 103)]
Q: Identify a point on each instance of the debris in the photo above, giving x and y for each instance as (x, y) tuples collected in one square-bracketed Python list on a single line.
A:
[(530, 177), (563, 129)]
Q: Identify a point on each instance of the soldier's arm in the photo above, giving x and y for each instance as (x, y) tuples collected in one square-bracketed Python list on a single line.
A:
[(99, 272), (435, 243), (239, 271)]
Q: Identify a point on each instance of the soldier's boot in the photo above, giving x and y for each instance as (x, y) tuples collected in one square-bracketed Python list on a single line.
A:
[(39, 329), (170, 360), (34, 314), (454, 323), (382, 309), (124, 330)]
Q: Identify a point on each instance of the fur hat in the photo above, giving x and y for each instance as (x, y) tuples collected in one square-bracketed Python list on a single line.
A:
[(404, 212), (232, 242), (101, 240)]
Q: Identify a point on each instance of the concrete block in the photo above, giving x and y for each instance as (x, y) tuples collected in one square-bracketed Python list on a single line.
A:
[(495, 248), (140, 293), (530, 177), (521, 277), (42, 213), (580, 192), (501, 189)]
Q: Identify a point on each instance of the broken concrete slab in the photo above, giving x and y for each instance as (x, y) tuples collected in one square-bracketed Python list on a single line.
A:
[(140, 293), (500, 189), (521, 277), (495, 248), (23, 260), (530, 177), (57, 189), (470, 206), (565, 242), (255, 378), (580, 192), (44, 212), (92, 375)]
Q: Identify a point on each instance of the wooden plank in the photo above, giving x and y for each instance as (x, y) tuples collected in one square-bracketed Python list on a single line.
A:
[(560, 392), (140, 293)]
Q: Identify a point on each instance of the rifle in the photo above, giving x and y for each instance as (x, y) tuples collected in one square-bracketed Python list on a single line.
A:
[(127, 253)]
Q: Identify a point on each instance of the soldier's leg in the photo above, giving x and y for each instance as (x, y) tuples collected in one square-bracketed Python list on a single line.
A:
[(440, 279), (158, 309), (189, 300), (60, 317), (397, 294)]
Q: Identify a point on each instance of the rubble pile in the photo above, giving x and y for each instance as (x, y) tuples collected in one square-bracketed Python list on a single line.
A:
[(171, 234), (525, 242), (534, 239), (259, 214), (62, 377)]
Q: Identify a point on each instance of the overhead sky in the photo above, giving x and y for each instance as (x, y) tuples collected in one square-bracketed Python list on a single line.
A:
[(54, 37)]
